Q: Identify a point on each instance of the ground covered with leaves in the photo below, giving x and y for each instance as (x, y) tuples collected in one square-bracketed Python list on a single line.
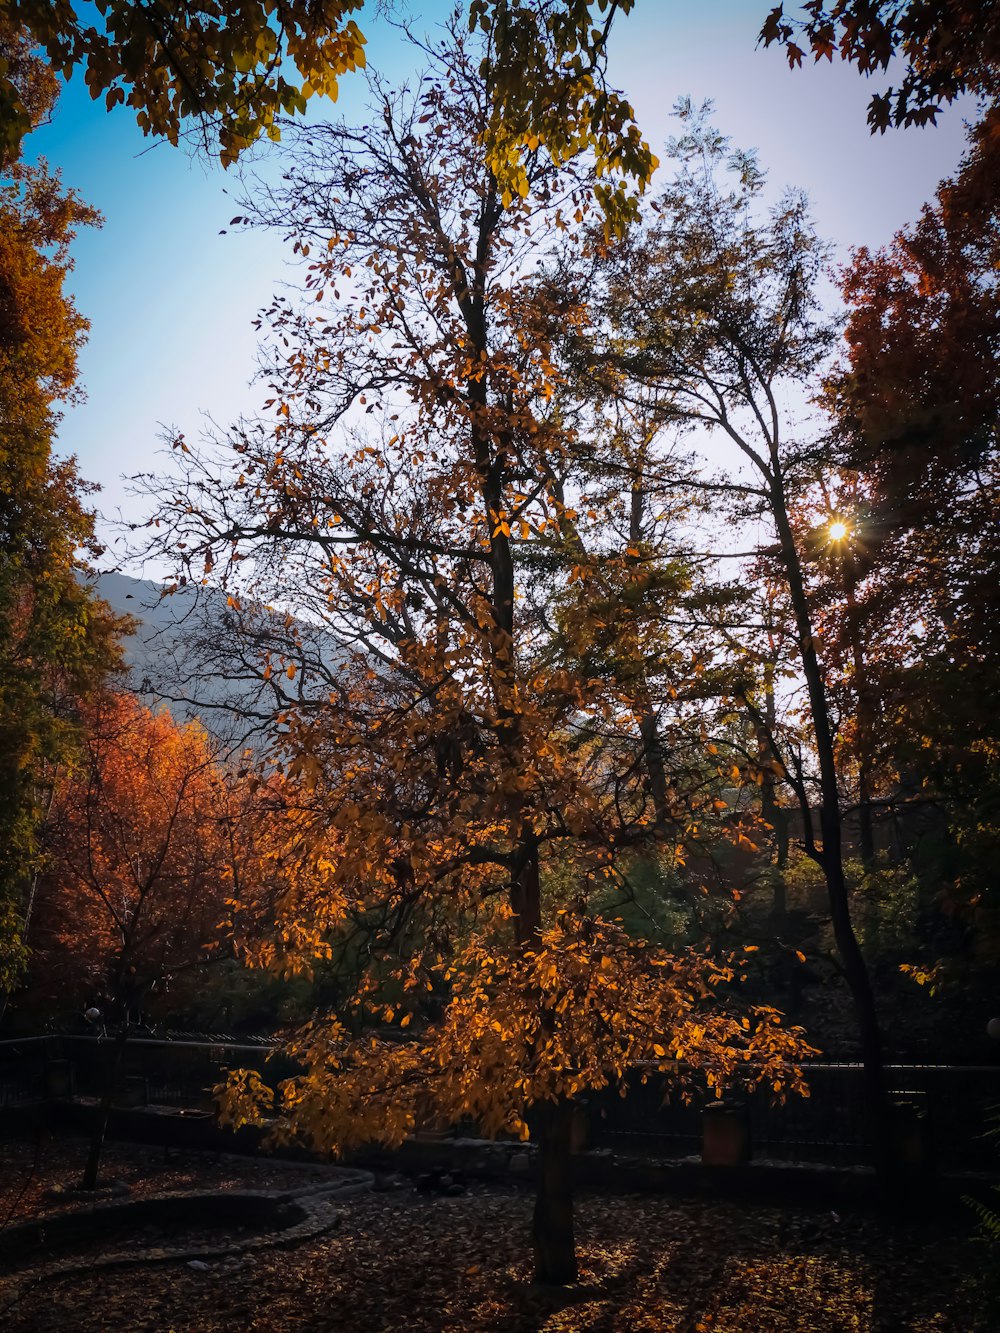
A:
[(402, 1260)]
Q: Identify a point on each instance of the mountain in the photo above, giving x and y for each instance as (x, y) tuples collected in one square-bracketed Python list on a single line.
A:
[(193, 651)]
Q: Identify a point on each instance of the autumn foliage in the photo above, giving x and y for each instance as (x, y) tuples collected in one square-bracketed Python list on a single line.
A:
[(944, 48), (145, 843), (916, 402), (479, 570), (575, 1013), (231, 74), (223, 65), (487, 732)]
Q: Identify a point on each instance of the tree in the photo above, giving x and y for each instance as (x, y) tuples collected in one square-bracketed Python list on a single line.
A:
[(949, 47), (420, 490), (916, 403), (29, 83), (136, 881), (544, 66), (170, 61), (917, 397), (828, 524), (716, 307), (58, 642), (227, 67), (149, 840)]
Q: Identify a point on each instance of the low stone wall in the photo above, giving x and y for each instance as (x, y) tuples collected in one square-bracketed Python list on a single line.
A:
[(276, 1219), (252, 1209)]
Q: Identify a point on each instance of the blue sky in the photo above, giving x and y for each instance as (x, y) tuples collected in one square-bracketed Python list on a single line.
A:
[(171, 300)]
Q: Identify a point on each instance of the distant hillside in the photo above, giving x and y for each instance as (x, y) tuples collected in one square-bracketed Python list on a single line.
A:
[(187, 654)]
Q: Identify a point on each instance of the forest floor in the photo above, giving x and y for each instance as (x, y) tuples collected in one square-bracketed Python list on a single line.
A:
[(401, 1260)]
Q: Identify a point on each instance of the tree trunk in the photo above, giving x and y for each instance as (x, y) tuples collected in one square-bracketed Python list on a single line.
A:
[(779, 900), (866, 832), (770, 810), (91, 1171), (102, 1114), (859, 983), (781, 828), (649, 731), (772, 815), (831, 858), (552, 1222)]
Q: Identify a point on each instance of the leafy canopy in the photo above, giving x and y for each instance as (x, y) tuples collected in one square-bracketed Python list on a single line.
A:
[(577, 1012), (225, 64), (238, 68), (140, 856), (544, 69), (948, 47)]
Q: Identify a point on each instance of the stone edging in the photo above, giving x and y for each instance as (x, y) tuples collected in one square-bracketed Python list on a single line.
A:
[(319, 1203)]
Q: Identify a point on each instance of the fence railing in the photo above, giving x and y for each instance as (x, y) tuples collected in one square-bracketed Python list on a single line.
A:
[(172, 1072), (830, 1126), (22, 1068), (958, 1104)]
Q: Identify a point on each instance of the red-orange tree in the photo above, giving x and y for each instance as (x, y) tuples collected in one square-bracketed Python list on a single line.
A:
[(139, 865), (422, 492), (946, 48), (916, 402), (149, 839)]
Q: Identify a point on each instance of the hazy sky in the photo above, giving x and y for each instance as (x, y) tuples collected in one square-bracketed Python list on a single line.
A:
[(171, 300)]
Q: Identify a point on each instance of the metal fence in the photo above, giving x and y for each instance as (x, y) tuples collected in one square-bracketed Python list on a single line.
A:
[(22, 1069), (958, 1102), (175, 1073)]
